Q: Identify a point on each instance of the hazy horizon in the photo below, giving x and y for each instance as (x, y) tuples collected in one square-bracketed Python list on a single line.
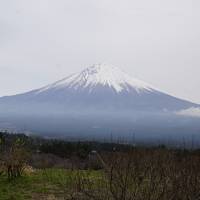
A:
[(45, 41)]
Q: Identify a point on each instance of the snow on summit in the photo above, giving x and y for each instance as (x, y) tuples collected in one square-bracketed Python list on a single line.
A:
[(100, 74)]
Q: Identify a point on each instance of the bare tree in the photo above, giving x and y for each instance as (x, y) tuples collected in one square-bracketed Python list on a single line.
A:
[(14, 158), (144, 174)]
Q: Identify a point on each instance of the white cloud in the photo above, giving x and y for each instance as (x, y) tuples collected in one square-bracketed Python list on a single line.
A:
[(193, 112)]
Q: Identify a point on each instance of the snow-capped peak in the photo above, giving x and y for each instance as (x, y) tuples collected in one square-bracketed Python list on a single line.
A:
[(100, 74)]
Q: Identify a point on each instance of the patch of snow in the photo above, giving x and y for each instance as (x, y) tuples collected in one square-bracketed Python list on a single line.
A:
[(100, 74)]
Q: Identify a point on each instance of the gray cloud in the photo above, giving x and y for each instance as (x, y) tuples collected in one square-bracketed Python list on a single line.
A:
[(44, 40), (192, 112)]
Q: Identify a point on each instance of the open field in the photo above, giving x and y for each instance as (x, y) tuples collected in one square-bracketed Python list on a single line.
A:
[(41, 184), (61, 170), (36, 185)]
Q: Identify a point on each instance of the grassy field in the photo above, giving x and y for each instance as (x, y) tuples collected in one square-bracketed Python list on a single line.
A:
[(153, 173), (47, 184)]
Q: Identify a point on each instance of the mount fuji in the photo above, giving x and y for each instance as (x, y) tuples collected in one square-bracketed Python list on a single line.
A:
[(96, 102)]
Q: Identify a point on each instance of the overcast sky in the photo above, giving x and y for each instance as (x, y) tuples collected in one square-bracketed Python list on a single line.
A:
[(157, 41)]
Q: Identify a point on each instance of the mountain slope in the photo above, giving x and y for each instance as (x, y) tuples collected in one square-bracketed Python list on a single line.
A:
[(100, 96), (101, 86)]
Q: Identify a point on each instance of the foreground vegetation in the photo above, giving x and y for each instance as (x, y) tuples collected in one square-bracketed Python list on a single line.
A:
[(41, 170), (41, 184)]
